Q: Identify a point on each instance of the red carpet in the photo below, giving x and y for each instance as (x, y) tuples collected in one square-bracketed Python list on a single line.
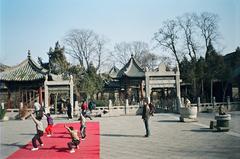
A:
[(55, 147)]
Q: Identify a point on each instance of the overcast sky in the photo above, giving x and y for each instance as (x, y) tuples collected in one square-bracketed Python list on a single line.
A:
[(37, 24)]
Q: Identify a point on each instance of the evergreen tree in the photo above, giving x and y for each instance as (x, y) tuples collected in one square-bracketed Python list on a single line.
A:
[(200, 75), (91, 83), (57, 60), (215, 70)]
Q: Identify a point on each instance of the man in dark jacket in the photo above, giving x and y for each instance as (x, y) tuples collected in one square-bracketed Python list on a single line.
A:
[(145, 117), (69, 109)]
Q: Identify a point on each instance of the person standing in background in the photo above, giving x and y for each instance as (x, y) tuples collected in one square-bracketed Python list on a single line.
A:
[(69, 109), (145, 116)]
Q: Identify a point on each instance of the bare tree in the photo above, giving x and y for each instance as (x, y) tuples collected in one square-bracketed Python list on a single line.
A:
[(208, 25), (187, 25), (100, 49), (167, 37), (122, 52), (140, 50), (86, 46), (149, 60)]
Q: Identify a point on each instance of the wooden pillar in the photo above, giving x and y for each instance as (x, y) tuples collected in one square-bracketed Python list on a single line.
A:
[(40, 95), (26, 97), (9, 100), (141, 90), (30, 99)]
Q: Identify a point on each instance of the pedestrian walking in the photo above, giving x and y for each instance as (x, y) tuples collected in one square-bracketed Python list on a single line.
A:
[(91, 106)]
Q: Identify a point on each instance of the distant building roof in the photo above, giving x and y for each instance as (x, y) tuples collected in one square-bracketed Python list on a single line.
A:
[(131, 69), (113, 72), (28, 70)]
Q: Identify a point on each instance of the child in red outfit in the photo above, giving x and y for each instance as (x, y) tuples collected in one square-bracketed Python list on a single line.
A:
[(48, 130)]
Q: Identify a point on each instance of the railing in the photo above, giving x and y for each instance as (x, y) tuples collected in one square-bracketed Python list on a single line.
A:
[(118, 110), (136, 109), (16, 110), (213, 107)]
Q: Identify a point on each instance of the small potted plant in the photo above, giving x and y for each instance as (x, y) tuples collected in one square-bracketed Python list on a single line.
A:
[(188, 112)]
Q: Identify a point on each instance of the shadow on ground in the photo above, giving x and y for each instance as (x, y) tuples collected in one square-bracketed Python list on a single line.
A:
[(169, 121), (16, 144), (27, 134), (121, 135), (201, 130)]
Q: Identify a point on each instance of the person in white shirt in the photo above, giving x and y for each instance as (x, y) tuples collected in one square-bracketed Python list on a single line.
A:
[(39, 134), (38, 109)]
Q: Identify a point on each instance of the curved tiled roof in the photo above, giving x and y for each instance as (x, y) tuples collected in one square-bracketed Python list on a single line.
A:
[(131, 69), (28, 70), (113, 72)]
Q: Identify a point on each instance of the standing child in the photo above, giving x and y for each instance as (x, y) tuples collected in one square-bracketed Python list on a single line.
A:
[(48, 130), (85, 112), (75, 139), (39, 134), (82, 126)]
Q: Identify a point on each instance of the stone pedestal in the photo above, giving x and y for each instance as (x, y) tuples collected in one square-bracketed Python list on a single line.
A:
[(188, 114), (223, 122), (212, 124)]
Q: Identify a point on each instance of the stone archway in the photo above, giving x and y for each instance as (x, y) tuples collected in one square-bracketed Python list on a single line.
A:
[(57, 87), (163, 79)]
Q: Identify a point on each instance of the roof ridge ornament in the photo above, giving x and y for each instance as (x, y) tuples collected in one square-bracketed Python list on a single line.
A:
[(132, 55), (29, 54)]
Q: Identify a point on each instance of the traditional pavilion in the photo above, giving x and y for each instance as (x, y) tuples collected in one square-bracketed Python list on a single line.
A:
[(21, 85), (132, 83)]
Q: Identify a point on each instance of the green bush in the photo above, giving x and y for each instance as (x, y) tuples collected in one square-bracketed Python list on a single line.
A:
[(101, 103), (2, 113)]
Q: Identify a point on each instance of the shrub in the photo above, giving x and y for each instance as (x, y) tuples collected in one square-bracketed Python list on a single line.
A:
[(101, 103), (2, 112)]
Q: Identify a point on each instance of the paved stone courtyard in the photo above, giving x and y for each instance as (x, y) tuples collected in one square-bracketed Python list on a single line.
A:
[(122, 137)]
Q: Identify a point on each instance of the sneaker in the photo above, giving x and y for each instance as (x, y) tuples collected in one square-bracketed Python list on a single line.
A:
[(49, 135), (72, 151), (34, 149), (82, 138), (42, 145)]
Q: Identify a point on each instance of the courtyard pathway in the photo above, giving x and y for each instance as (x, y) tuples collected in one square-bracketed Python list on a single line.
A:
[(122, 137)]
